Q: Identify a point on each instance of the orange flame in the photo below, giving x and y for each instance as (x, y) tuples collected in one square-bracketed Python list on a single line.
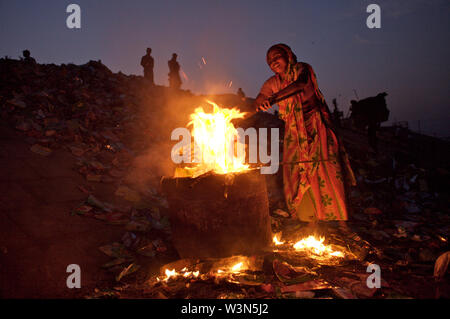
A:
[(276, 241), (316, 247), (237, 267), (215, 142), (173, 274)]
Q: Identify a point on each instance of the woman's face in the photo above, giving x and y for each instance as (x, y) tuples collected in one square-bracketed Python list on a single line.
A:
[(277, 62)]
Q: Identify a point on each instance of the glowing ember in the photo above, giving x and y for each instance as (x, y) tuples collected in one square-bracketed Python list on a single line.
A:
[(215, 142), (276, 241), (237, 267), (174, 274), (442, 238), (316, 247), (228, 271), (170, 274)]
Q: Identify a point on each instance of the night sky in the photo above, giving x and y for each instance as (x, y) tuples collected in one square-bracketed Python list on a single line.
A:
[(407, 57)]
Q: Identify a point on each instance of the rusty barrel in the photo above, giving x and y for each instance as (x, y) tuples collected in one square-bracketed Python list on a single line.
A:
[(215, 216)]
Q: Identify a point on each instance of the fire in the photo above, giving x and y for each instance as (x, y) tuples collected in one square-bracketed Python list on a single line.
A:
[(316, 247), (230, 270), (215, 142), (237, 267), (227, 271), (276, 241), (170, 274), (173, 274)]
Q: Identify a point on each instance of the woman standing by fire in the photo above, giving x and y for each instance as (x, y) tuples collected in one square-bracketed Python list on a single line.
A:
[(314, 163)]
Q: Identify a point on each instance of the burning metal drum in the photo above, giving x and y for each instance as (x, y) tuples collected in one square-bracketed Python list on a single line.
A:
[(216, 216)]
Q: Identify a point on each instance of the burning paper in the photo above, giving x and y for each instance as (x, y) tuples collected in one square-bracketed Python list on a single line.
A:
[(316, 247), (173, 274), (276, 241), (216, 147)]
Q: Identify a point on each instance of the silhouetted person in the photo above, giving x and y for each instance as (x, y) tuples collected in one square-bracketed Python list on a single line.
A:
[(241, 94), (27, 57), (147, 63), (337, 115), (174, 72), (370, 113)]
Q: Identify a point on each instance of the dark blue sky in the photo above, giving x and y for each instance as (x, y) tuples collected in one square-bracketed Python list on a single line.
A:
[(407, 57)]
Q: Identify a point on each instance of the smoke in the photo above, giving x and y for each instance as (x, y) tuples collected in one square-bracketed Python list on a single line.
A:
[(160, 111)]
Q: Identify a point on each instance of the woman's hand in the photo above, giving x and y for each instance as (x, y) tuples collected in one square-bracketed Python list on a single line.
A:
[(263, 102), (264, 105)]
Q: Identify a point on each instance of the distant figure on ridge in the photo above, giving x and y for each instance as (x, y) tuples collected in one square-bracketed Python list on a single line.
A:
[(147, 63), (174, 72), (241, 94), (27, 57), (337, 115)]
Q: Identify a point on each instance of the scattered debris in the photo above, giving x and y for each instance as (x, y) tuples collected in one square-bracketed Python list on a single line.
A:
[(399, 218)]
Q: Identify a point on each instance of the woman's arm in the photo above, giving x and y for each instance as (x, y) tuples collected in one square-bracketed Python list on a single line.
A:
[(262, 100), (292, 89)]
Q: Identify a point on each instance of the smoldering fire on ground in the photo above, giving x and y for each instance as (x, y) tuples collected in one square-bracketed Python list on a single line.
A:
[(118, 130)]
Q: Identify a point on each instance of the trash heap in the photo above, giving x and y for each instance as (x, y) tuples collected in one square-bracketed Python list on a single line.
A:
[(400, 218), (95, 115), (83, 108), (399, 221)]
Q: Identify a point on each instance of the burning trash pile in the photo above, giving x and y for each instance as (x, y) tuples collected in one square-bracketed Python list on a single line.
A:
[(218, 206), (272, 275)]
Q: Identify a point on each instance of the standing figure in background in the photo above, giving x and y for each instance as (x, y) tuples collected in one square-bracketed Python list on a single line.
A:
[(241, 94), (148, 63), (337, 115), (27, 58), (315, 164), (174, 72)]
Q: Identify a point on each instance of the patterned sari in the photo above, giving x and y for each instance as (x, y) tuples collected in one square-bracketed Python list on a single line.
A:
[(312, 156)]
